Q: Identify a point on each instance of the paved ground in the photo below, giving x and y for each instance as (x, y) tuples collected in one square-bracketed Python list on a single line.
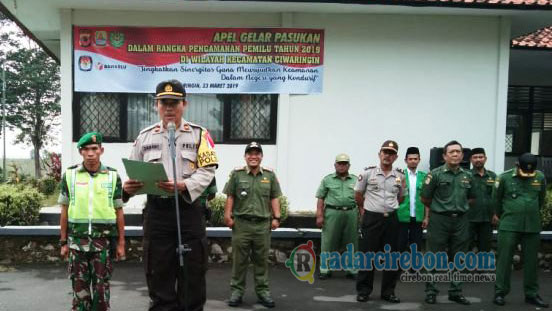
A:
[(46, 288)]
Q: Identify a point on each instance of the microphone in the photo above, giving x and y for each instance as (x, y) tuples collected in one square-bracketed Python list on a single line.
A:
[(172, 141)]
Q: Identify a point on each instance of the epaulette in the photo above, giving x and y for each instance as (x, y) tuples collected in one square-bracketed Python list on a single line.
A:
[(369, 167), (268, 169), (149, 128), (73, 166), (196, 126), (239, 168), (109, 168)]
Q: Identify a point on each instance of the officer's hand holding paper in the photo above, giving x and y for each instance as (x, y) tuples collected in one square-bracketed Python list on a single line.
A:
[(149, 174)]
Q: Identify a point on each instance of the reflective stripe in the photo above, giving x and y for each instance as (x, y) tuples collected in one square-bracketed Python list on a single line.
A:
[(90, 203)]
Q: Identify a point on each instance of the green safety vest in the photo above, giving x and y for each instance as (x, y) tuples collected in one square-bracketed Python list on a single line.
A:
[(91, 197)]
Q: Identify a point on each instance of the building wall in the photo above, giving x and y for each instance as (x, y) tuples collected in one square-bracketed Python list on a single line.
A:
[(420, 80)]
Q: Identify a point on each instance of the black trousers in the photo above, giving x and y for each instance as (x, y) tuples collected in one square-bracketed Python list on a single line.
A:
[(378, 230), (410, 233), (170, 287)]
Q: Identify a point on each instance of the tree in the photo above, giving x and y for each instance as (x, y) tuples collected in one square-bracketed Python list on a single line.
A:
[(33, 90)]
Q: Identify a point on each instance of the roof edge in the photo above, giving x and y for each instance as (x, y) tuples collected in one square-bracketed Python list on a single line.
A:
[(27, 32)]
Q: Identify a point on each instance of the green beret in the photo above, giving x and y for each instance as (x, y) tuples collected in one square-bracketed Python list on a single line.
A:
[(90, 138)]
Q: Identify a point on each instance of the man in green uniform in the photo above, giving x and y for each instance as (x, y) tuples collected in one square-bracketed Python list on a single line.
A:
[(520, 195), (481, 213), (336, 211), (252, 208), (91, 214), (445, 194)]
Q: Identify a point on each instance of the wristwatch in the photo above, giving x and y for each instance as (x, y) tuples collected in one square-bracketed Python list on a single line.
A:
[(276, 218), (62, 243)]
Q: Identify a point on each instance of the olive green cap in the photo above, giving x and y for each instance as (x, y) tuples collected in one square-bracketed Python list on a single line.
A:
[(90, 138), (342, 157)]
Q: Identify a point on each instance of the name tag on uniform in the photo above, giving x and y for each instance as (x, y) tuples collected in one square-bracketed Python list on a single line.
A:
[(265, 181)]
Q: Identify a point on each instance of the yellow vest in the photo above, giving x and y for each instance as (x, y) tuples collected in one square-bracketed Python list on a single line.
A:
[(91, 197)]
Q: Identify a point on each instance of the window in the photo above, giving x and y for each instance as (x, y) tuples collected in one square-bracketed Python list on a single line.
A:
[(231, 119), (529, 121)]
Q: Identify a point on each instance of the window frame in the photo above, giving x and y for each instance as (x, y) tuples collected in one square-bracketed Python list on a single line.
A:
[(123, 120)]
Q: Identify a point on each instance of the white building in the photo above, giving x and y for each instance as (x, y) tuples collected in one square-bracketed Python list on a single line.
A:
[(419, 72)]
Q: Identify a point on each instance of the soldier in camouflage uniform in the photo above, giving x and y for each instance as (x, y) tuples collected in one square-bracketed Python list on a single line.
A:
[(88, 224)]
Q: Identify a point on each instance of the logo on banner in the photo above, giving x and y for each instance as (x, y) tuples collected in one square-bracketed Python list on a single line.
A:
[(116, 39), (84, 38), (99, 66), (85, 63), (101, 38)]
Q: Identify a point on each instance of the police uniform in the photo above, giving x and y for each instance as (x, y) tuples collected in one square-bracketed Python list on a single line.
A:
[(196, 162), (379, 225), (340, 213), (252, 224), (481, 212), (449, 191), (520, 195), (91, 227)]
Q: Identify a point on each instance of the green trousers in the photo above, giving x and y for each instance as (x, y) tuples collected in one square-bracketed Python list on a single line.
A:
[(250, 243), (507, 242), (340, 228), (447, 232), (481, 234)]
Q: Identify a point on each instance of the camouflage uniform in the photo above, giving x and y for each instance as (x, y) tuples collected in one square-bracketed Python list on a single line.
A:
[(90, 263)]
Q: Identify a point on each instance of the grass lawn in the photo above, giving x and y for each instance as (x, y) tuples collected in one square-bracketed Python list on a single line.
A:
[(50, 200)]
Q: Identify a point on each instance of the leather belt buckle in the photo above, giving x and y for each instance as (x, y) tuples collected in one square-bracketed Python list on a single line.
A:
[(454, 215), (386, 214)]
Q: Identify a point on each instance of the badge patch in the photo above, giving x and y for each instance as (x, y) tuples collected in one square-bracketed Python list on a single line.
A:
[(428, 179), (359, 177)]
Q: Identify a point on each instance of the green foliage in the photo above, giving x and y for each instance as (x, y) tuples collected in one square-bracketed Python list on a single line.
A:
[(16, 176), (47, 185), (217, 208), (19, 205)]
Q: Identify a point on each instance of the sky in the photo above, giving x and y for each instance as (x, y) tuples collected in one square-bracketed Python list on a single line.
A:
[(20, 151)]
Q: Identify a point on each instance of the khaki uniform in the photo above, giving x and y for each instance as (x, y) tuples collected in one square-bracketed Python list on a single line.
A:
[(380, 225), (195, 165), (518, 204), (251, 231), (340, 214), (448, 227)]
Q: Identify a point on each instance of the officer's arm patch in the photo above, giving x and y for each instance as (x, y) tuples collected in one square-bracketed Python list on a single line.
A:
[(360, 177), (428, 179), (206, 154)]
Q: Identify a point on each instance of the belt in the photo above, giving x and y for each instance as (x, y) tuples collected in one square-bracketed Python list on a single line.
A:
[(450, 214), (384, 214), (252, 218), (340, 208)]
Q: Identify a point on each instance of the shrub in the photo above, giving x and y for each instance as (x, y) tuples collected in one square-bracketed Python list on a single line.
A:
[(217, 208), (47, 185), (19, 205)]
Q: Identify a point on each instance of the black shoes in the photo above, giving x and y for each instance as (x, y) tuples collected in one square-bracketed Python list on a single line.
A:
[(235, 300), (430, 299), (537, 301), (459, 299), (323, 276), (499, 300), (391, 298), (362, 298), (266, 301)]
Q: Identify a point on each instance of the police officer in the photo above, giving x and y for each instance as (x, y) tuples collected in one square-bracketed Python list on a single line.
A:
[(520, 196), (89, 224), (445, 194), (252, 208), (378, 193), (336, 211), (169, 288), (481, 213)]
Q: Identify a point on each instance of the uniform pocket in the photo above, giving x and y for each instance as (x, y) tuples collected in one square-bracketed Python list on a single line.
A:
[(188, 159), (152, 156), (243, 189)]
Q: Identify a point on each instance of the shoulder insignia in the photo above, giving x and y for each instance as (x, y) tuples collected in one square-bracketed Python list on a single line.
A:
[(268, 169), (72, 167), (428, 179), (109, 168), (196, 126), (239, 168), (400, 170), (369, 167), (149, 128)]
